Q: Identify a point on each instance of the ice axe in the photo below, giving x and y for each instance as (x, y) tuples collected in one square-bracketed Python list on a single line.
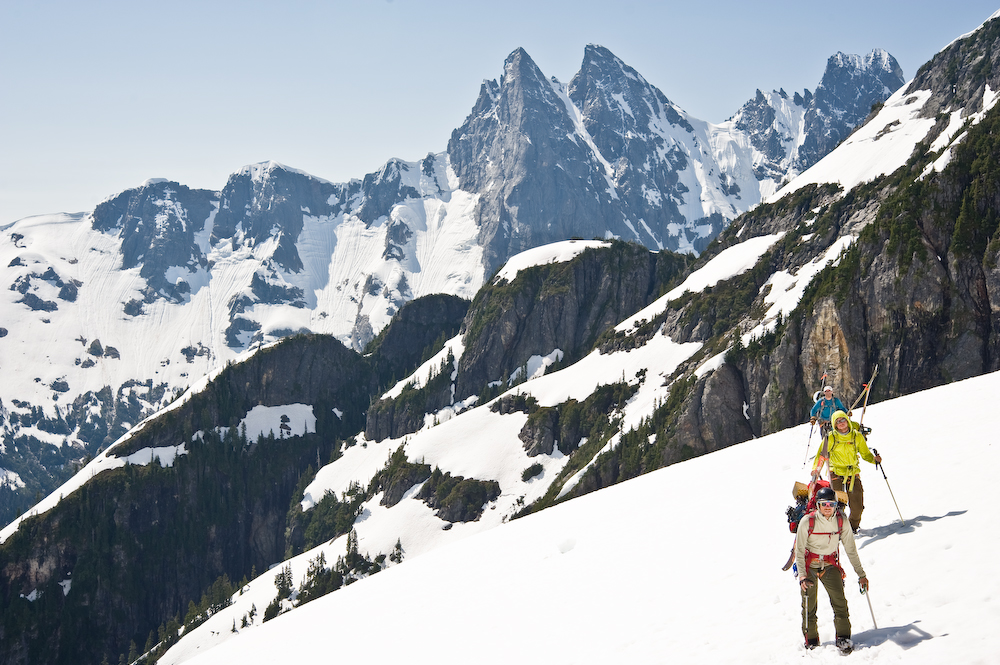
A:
[(864, 592), (878, 465)]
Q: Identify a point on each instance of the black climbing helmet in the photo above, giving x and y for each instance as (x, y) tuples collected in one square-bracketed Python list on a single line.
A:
[(826, 494)]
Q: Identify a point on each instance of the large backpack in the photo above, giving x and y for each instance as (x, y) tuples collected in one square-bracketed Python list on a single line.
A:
[(805, 502)]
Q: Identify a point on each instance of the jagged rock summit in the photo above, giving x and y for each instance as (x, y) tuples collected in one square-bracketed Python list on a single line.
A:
[(792, 134)]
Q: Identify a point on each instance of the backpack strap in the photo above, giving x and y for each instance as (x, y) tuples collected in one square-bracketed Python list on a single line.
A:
[(830, 559)]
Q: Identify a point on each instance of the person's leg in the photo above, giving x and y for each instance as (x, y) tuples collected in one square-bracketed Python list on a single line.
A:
[(833, 582), (809, 601), (837, 483), (857, 502)]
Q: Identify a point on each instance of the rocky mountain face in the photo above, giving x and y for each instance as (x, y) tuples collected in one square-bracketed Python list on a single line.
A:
[(161, 284), (565, 306), (792, 134), (851, 86), (609, 154)]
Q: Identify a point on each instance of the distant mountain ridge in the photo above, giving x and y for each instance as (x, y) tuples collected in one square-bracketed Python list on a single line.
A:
[(174, 281)]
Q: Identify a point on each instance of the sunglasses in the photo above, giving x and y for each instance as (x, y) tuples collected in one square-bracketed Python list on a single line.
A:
[(826, 504)]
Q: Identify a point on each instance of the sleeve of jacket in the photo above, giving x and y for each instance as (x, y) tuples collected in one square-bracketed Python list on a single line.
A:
[(815, 410), (840, 405), (850, 548), (863, 450), (801, 535)]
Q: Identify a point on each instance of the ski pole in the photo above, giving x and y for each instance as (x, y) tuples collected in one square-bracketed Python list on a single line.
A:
[(822, 380), (879, 466), (865, 594), (808, 443)]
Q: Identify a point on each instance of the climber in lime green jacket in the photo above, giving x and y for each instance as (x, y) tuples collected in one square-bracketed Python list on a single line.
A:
[(841, 449)]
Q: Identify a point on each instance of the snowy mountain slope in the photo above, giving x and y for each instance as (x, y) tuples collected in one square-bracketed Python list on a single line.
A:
[(161, 284), (689, 593), (782, 284), (128, 319), (456, 444)]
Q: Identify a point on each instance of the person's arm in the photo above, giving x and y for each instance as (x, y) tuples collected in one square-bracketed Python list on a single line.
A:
[(851, 548), (864, 451), (801, 535)]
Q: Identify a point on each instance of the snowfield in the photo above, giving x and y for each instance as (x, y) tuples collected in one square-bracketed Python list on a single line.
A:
[(651, 570)]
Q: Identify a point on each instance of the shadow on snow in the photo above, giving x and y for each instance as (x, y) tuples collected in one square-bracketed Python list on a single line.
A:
[(911, 525), (905, 637)]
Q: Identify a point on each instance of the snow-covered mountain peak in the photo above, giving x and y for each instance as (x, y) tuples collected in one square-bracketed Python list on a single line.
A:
[(949, 93), (877, 59)]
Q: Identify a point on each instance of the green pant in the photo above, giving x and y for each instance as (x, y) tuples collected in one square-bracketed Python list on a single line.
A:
[(833, 581), (855, 496)]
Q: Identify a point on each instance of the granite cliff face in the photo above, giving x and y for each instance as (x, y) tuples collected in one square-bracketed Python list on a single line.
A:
[(564, 306), (791, 134), (611, 155)]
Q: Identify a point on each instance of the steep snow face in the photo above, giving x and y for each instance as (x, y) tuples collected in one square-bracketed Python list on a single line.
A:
[(359, 274), (887, 141), (911, 116), (542, 559), (881, 146)]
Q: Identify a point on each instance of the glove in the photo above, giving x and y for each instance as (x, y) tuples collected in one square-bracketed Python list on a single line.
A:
[(812, 420), (863, 583)]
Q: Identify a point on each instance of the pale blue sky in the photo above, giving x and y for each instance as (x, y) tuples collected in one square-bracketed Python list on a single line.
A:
[(98, 96)]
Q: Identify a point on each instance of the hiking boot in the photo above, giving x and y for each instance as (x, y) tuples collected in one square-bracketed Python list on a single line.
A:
[(844, 644), (812, 642)]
